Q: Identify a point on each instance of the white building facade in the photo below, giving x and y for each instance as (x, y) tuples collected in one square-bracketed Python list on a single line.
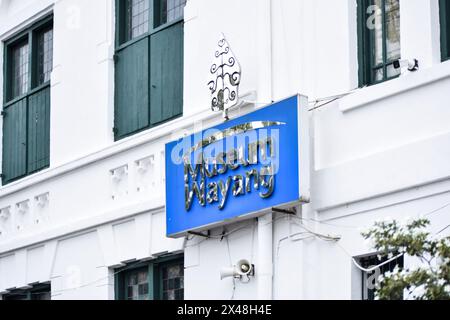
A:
[(93, 90)]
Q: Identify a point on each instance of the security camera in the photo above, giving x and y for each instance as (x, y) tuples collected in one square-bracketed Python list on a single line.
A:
[(242, 269), (412, 65)]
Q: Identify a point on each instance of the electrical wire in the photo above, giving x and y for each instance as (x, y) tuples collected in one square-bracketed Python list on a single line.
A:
[(437, 210), (323, 237), (231, 263), (233, 231), (443, 230), (323, 104), (225, 235), (318, 235), (336, 240), (131, 266), (367, 270), (306, 235), (59, 292), (253, 242), (325, 223), (290, 237), (331, 99), (356, 227)]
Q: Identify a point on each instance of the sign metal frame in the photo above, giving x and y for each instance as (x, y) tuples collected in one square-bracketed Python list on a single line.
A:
[(304, 159)]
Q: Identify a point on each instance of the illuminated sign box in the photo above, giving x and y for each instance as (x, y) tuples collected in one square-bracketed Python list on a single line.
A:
[(238, 169)]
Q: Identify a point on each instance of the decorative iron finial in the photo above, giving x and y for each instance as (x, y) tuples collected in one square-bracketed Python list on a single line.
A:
[(225, 78)]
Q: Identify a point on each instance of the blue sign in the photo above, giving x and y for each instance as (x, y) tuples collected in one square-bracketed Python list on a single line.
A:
[(237, 169)]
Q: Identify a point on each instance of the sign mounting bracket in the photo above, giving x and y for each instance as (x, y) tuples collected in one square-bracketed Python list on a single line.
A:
[(199, 234), (292, 212)]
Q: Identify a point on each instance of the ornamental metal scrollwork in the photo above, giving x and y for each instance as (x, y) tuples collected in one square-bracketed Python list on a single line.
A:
[(225, 78)]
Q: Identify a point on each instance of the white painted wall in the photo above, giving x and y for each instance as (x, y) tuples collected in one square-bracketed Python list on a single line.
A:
[(381, 151), (82, 116)]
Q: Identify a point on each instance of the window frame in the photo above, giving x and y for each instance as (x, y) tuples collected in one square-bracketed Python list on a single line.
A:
[(35, 74), (121, 25), (28, 35), (149, 270), (153, 267), (158, 267), (22, 41), (122, 43), (366, 293), (366, 47), (444, 17), (28, 294)]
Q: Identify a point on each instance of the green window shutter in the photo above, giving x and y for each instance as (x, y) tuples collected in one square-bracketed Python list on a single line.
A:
[(166, 67), (26, 122), (132, 68), (39, 130), (364, 53), (15, 141), (444, 10)]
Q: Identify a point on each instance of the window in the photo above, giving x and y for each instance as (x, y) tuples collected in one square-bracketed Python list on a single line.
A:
[(379, 40), (168, 11), (26, 102), (20, 70), (172, 281), (137, 283), (137, 16), (369, 279), (444, 8), (38, 292), (148, 64), (162, 279), (45, 55)]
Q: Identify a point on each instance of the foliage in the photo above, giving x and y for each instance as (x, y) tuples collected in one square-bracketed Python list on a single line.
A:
[(430, 280)]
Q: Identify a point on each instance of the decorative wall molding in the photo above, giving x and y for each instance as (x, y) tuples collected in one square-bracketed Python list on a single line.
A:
[(5, 214), (42, 200), (145, 164), (124, 145), (117, 175), (23, 207)]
